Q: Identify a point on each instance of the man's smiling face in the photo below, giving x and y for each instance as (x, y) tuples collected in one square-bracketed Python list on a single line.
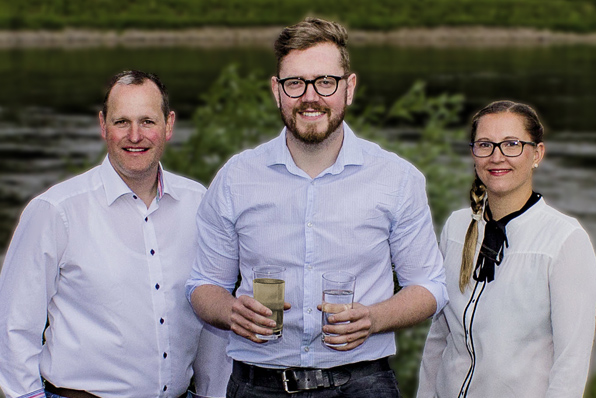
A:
[(312, 118), (135, 130)]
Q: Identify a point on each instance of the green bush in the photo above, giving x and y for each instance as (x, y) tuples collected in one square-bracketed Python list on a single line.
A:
[(591, 388), (238, 113)]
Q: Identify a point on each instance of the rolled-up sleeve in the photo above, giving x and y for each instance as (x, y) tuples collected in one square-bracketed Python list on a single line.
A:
[(216, 260), (414, 248)]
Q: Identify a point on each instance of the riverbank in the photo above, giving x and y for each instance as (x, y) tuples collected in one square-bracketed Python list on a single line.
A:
[(233, 37)]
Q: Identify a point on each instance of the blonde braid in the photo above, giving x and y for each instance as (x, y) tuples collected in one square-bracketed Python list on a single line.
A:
[(477, 195)]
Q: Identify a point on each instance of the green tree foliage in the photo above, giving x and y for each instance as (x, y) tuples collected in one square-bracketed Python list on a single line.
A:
[(571, 15), (591, 388), (433, 149), (406, 364), (238, 112)]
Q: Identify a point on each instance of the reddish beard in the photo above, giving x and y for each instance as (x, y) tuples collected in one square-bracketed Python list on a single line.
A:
[(310, 135)]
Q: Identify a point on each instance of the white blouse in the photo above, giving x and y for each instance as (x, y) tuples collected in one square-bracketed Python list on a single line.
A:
[(528, 333)]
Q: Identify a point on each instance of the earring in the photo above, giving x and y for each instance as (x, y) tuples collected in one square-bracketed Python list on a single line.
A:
[(535, 166)]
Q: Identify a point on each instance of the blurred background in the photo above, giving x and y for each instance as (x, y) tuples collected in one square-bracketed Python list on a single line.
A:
[(424, 67)]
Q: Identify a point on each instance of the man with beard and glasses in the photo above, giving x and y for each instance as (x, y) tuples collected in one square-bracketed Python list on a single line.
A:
[(315, 199)]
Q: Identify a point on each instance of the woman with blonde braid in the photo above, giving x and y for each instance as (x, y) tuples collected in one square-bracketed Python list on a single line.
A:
[(521, 278)]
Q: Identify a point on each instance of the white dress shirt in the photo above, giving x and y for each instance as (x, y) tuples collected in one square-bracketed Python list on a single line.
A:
[(365, 212), (528, 333), (108, 275)]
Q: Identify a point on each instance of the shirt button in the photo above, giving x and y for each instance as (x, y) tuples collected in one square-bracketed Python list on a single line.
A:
[(146, 219), (157, 286), (309, 224), (152, 252), (309, 310), (165, 355), (134, 196), (306, 349), (165, 388), (162, 321)]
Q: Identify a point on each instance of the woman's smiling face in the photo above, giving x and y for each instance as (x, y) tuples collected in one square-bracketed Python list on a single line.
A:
[(506, 177)]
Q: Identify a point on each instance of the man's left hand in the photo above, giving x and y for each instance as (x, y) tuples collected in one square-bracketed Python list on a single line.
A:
[(355, 332)]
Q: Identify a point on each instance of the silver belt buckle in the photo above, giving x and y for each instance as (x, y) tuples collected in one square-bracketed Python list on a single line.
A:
[(284, 378)]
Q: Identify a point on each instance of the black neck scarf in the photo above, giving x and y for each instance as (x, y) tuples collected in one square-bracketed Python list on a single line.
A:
[(495, 241)]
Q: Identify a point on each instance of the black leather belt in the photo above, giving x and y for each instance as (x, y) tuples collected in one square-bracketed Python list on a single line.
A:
[(69, 393), (66, 392), (294, 380)]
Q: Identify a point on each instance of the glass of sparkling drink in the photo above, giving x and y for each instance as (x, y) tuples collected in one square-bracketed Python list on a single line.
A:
[(338, 296), (268, 287)]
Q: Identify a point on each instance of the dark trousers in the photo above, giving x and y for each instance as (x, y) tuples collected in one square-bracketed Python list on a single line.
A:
[(362, 380)]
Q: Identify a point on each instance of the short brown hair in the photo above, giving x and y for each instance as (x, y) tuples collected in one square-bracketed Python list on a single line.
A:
[(138, 78), (308, 33)]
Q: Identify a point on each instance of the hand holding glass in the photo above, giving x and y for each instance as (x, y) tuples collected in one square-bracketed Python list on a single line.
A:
[(338, 296), (269, 289)]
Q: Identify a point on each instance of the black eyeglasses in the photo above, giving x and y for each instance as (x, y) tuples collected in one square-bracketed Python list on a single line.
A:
[(509, 148), (325, 86)]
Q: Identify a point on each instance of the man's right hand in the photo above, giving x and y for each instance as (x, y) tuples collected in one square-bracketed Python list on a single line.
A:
[(249, 317)]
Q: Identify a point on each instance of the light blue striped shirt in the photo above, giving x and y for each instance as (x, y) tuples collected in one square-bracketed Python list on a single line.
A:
[(365, 212)]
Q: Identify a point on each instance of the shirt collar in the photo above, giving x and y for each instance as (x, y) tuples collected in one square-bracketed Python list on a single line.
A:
[(160, 183), (492, 250), (349, 154), (115, 186), (164, 185)]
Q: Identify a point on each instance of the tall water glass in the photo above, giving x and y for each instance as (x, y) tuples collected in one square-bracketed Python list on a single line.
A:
[(338, 296)]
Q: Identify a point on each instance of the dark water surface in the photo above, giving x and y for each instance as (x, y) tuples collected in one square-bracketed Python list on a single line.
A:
[(49, 99)]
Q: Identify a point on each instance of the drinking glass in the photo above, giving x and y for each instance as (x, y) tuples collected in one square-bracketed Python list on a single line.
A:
[(268, 288), (338, 296)]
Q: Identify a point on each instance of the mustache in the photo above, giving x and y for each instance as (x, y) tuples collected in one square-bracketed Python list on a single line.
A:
[(312, 106)]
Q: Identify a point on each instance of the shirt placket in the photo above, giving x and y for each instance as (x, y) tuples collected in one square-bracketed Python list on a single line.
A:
[(468, 319), (158, 287), (311, 296)]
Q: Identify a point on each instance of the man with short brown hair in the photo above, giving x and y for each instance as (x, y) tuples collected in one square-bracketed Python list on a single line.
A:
[(102, 259), (316, 198)]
